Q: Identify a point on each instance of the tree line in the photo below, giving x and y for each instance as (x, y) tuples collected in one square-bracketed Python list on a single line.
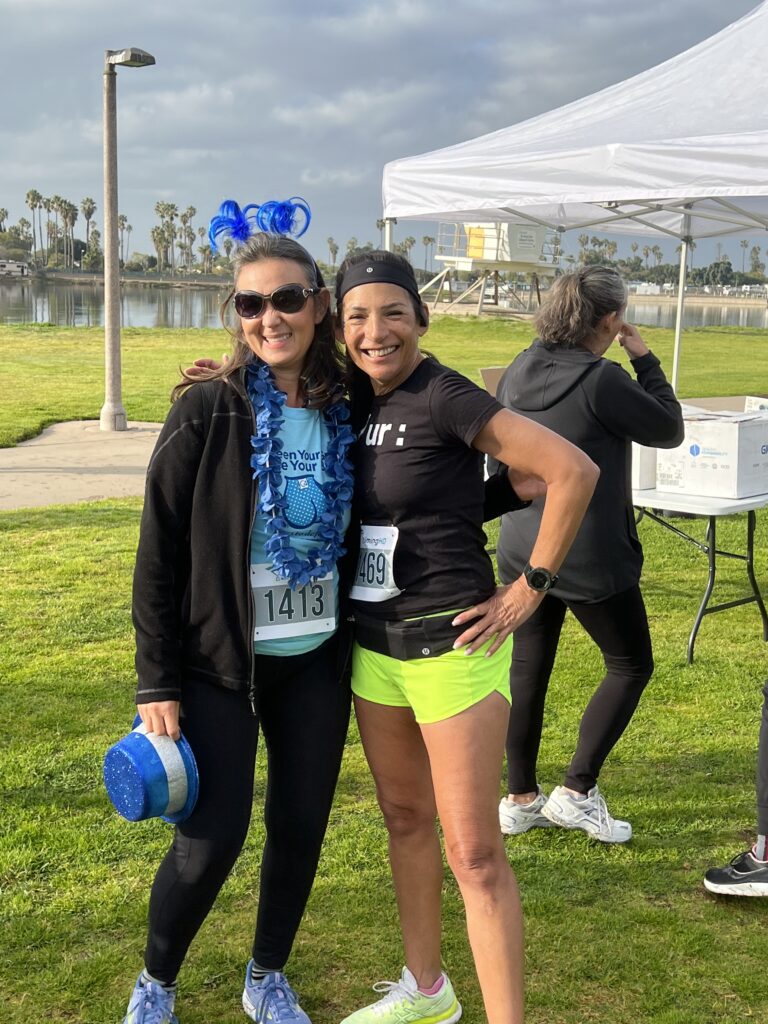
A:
[(47, 240), (647, 263)]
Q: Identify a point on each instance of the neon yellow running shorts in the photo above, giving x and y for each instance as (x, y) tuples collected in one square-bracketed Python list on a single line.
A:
[(435, 688)]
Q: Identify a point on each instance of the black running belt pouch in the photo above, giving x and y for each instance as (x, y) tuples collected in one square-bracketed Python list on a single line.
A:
[(405, 640)]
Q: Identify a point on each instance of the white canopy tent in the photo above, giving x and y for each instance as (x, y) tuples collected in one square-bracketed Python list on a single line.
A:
[(679, 150)]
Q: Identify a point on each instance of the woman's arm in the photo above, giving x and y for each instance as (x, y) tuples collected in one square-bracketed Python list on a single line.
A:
[(156, 586), (646, 410), (569, 478)]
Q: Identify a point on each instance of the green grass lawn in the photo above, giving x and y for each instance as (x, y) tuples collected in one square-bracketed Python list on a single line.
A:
[(621, 935)]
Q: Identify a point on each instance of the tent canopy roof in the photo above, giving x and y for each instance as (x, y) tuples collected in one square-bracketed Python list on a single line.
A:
[(688, 136)]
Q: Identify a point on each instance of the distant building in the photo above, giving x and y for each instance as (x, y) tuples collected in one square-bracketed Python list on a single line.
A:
[(13, 268)]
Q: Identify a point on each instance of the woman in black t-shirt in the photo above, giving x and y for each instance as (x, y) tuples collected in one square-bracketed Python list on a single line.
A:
[(433, 721)]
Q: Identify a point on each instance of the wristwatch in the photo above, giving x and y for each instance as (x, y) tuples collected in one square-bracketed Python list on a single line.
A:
[(538, 578)]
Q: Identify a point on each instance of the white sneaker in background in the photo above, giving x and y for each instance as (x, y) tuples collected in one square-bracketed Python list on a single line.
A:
[(589, 813), (515, 819)]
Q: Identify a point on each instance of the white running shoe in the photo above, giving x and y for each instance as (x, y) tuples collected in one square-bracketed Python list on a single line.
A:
[(518, 818), (590, 814)]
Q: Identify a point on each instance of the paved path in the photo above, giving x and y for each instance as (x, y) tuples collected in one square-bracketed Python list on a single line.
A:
[(76, 461)]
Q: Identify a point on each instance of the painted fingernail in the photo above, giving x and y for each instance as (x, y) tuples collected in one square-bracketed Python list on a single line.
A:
[(469, 651)]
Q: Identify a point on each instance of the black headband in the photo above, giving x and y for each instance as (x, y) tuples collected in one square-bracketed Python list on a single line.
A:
[(377, 272)]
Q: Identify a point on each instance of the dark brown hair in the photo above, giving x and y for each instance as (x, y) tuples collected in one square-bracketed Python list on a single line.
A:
[(322, 378)]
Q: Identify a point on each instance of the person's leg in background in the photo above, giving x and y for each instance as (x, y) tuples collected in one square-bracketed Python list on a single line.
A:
[(747, 873), (533, 657), (619, 627)]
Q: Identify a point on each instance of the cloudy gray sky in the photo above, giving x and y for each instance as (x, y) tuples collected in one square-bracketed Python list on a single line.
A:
[(260, 99)]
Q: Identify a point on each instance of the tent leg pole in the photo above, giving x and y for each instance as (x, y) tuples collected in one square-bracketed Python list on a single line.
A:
[(680, 299), (388, 234)]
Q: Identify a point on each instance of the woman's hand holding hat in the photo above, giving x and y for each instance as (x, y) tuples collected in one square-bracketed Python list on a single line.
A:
[(161, 717)]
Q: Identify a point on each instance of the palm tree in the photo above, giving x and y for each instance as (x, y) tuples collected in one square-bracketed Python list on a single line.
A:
[(634, 247), (352, 244), (583, 243), (157, 235), (3, 218), (205, 252), (33, 200), (380, 225), (70, 217), (657, 253), (744, 244), (56, 205), (122, 224), (186, 220), (47, 208), (408, 244), (88, 208), (128, 230), (333, 251), (427, 241), (646, 254)]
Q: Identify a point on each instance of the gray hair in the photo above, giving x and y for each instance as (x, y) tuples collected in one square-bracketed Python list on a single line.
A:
[(577, 302)]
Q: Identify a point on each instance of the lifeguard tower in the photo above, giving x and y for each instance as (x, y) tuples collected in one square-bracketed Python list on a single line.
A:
[(487, 250)]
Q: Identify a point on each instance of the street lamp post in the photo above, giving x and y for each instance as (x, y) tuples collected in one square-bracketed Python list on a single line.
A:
[(112, 415)]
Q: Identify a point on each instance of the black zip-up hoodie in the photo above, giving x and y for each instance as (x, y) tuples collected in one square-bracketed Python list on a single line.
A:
[(596, 405), (192, 606)]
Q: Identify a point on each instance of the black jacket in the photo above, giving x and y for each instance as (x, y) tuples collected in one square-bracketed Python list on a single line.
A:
[(595, 404), (192, 606)]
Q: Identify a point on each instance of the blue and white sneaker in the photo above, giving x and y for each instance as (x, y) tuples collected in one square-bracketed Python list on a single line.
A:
[(150, 1004), (272, 1000)]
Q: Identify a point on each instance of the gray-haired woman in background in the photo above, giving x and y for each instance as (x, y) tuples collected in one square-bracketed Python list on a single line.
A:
[(563, 382)]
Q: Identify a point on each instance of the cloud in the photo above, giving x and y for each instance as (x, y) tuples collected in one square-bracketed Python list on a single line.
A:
[(341, 176), (265, 100)]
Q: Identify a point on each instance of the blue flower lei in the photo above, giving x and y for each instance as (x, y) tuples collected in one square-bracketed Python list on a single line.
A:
[(266, 461)]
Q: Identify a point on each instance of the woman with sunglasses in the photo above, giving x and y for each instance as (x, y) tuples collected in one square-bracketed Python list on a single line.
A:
[(431, 719), (236, 608)]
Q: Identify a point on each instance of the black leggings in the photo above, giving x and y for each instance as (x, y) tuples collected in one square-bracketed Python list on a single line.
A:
[(304, 714), (619, 627), (762, 769)]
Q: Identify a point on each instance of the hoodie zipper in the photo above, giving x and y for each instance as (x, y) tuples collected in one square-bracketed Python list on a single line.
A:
[(252, 655)]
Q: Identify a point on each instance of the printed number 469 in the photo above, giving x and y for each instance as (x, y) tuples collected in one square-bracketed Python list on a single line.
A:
[(372, 568)]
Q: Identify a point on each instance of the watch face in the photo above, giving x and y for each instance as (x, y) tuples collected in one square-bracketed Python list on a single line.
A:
[(539, 580)]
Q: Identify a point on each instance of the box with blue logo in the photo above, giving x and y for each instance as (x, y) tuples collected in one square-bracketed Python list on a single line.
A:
[(725, 451)]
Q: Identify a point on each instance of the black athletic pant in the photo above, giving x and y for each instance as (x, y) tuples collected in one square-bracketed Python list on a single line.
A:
[(303, 714), (762, 770), (619, 627)]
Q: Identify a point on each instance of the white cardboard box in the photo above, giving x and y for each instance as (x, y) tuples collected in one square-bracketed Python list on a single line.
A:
[(724, 453), (643, 467)]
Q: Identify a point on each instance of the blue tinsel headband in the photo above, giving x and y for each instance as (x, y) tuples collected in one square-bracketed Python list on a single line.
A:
[(290, 217)]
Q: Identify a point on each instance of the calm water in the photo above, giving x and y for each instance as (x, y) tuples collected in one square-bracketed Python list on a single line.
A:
[(82, 305)]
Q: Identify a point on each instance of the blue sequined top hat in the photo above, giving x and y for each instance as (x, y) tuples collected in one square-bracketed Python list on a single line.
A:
[(149, 776)]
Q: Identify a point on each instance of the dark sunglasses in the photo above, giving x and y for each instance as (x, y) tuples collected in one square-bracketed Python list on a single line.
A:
[(289, 298)]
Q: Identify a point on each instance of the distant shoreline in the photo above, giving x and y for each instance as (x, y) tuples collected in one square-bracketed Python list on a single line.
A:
[(164, 281), (699, 300)]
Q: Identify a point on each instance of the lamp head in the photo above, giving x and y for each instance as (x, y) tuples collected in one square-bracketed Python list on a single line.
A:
[(133, 57)]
